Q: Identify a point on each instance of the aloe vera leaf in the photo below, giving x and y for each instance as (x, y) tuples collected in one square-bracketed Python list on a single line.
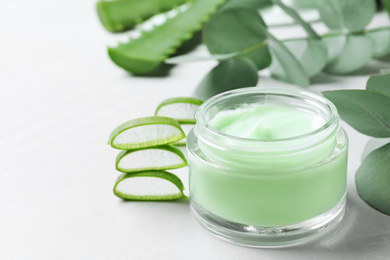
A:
[(121, 15), (144, 54)]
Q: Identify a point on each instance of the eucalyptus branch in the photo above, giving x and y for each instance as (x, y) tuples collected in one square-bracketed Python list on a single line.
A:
[(297, 18)]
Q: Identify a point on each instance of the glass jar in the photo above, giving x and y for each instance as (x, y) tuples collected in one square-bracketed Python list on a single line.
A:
[(268, 193)]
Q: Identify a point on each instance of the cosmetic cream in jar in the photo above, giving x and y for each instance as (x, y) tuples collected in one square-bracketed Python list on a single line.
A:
[(268, 166)]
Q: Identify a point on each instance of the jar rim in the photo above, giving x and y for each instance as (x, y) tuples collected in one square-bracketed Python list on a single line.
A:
[(289, 92)]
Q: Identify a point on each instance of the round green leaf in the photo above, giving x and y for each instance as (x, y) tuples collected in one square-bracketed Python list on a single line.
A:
[(356, 52), (352, 15), (284, 65), (227, 75), (311, 53), (163, 157), (151, 185), (365, 110), (146, 132), (373, 144), (235, 30), (373, 179), (381, 39), (379, 83), (334, 44)]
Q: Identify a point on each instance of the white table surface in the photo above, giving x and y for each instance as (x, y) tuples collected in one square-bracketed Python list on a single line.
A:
[(60, 97)]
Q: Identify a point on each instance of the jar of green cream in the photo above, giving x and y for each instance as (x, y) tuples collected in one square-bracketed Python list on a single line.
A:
[(268, 166)]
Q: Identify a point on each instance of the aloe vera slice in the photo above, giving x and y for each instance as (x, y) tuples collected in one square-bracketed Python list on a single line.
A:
[(357, 51), (146, 132), (187, 127), (120, 15), (180, 108), (381, 39), (163, 157), (144, 54), (151, 185)]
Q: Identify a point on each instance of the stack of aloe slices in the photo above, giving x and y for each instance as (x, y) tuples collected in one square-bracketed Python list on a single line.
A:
[(149, 149)]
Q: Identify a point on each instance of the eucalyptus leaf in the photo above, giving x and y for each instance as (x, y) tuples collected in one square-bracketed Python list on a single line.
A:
[(379, 83), (365, 110), (381, 39), (191, 58), (284, 65), (235, 30), (373, 144), (311, 53), (356, 52), (334, 44), (227, 75), (373, 179), (352, 15)]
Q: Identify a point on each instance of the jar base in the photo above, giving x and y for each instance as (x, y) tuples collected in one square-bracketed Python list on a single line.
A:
[(270, 237)]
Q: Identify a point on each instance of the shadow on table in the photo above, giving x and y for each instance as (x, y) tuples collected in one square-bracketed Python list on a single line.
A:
[(362, 231)]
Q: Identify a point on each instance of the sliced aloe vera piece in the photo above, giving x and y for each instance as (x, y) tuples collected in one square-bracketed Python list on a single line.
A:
[(120, 15), (334, 44), (146, 132), (381, 39), (163, 157), (356, 52), (311, 53), (180, 108), (144, 54), (187, 127), (151, 185)]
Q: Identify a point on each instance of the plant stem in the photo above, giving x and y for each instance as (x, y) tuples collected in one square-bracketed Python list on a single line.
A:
[(293, 14), (255, 47)]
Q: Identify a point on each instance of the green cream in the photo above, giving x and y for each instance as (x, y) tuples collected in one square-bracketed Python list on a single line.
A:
[(273, 175), (266, 122)]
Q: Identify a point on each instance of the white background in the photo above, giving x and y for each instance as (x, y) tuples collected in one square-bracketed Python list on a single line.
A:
[(60, 97)]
